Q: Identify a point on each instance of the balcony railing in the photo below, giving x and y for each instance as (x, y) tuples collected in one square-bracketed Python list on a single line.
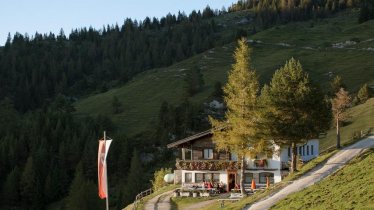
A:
[(211, 165), (260, 163)]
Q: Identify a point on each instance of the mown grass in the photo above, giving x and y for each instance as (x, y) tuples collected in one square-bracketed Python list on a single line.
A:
[(362, 119), (142, 97), (350, 188)]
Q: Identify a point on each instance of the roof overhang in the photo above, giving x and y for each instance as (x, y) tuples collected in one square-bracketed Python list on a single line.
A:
[(190, 138)]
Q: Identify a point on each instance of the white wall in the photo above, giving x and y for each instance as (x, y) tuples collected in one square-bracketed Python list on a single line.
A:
[(305, 156), (273, 164), (222, 176)]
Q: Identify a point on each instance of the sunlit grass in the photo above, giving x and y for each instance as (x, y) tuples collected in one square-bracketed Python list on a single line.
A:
[(350, 188)]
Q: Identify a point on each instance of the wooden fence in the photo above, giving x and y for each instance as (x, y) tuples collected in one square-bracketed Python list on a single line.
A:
[(141, 195)]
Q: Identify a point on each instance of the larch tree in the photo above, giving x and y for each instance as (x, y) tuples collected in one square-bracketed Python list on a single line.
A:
[(294, 109), (238, 132), (340, 104)]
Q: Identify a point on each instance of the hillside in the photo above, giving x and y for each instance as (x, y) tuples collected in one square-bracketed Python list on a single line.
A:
[(350, 188), (310, 41), (362, 119)]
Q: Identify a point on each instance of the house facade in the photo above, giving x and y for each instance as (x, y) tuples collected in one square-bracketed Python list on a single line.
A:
[(200, 161)]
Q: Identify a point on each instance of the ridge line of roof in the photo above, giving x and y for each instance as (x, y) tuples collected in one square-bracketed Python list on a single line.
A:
[(190, 138)]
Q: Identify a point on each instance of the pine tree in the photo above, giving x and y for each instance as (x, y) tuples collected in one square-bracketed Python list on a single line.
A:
[(336, 84), (363, 94), (135, 179), (83, 194), (340, 104), (28, 181), (194, 81), (238, 132), (10, 194), (295, 109)]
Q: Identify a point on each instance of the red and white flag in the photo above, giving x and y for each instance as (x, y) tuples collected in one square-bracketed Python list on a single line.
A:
[(101, 162)]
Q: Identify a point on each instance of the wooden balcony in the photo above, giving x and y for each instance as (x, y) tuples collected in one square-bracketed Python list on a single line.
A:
[(210, 165)]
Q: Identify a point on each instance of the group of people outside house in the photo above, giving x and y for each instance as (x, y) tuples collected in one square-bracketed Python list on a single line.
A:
[(214, 187)]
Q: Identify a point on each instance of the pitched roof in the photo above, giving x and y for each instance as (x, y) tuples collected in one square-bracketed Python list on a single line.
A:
[(190, 138)]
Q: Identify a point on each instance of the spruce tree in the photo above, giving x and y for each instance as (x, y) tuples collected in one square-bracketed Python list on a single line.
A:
[(336, 84), (295, 109), (116, 105), (10, 194), (28, 181), (238, 132), (83, 193), (194, 81), (135, 179)]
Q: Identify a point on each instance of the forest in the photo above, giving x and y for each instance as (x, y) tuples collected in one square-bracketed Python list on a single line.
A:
[(48, 155)]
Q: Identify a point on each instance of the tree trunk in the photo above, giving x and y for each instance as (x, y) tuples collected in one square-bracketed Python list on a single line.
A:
[(294, 158), (242, 169), (337, 134)]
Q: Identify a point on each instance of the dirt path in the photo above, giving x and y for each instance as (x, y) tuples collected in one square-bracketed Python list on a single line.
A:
[(332, 165), (160, 202)]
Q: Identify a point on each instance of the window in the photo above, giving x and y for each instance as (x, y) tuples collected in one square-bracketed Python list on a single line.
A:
[(216, 178), (289, 151), (311, 150), (248, 178), (303, 150), (198, 177), (300, 151), (188, 177), (264, 175), (307, 150), (208, 153), (207, 177)]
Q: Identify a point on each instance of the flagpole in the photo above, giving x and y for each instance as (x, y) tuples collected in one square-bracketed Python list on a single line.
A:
[(106, 178)]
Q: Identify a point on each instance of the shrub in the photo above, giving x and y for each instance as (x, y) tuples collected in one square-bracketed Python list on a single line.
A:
[(158, 181)]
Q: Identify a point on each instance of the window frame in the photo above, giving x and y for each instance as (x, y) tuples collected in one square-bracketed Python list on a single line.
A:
[(248, 175), (307, 149), (202, 177), (185, 177), (209, 152), (264, 175), (216, 180)]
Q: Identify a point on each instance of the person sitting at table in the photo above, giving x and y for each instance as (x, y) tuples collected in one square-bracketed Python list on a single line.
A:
[(205, 184), (209, 185), (221, 187)]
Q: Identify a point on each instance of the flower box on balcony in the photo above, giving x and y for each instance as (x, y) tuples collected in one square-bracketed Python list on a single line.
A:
[(211, 165), (261, 163)]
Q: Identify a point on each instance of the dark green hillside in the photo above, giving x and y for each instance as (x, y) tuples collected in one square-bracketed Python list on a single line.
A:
[(309, 41)]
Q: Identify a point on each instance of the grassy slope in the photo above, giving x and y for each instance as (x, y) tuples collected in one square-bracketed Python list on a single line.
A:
[(350, 188), (362, 118), (143, 96)]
